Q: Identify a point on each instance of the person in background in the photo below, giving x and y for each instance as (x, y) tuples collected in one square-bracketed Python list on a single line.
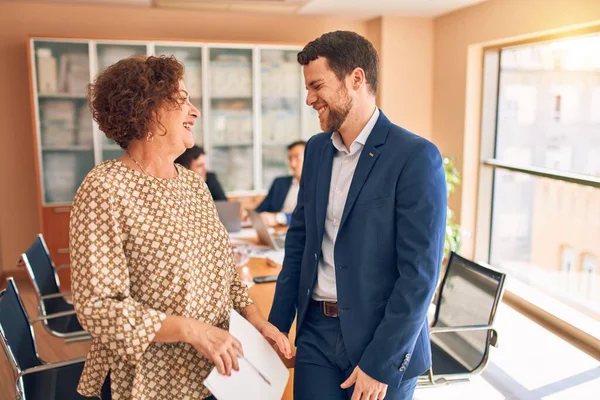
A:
[(280, 202), (194, 159), (364, 249), (153, 276)]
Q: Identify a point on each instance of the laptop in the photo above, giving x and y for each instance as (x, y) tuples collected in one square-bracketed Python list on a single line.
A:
[(230, 214), (275, 241)]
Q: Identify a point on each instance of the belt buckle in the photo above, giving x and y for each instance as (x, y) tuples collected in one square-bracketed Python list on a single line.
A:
[(330, 309)]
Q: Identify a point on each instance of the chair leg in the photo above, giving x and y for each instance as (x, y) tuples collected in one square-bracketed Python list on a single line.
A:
[(20, 394)]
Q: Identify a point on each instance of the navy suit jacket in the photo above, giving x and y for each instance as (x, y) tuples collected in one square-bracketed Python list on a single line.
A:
[(388, 249), (276, 196), (214, 187)]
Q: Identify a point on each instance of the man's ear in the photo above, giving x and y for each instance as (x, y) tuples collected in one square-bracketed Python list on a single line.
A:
[(358, 78)]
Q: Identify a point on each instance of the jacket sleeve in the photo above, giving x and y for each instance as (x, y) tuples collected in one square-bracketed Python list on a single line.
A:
[(214, 186), (284, 306), (267, 204), (420, 228), (100, 276)]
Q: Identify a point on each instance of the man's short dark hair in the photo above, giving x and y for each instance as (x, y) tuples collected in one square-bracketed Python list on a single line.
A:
[(296, 143), (344, 51), (190, 155)]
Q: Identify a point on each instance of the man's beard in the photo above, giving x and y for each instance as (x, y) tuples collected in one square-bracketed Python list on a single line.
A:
[(338, 114)]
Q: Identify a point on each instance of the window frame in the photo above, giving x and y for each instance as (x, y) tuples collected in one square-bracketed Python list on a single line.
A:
[(488, 164)]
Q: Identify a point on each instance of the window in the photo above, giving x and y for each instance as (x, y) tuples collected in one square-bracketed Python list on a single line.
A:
[(567, 266), (595, 105), (519, 103), (559, 157), (557, 102), (541, 149), (590, 277), (566, 103)]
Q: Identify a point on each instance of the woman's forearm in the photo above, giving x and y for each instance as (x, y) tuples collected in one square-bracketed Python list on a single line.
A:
[(254, 316), (182, 329), (176, 329)]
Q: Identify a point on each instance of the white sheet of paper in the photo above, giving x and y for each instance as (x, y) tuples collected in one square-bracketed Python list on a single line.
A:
[(247, 383), (245, 233)]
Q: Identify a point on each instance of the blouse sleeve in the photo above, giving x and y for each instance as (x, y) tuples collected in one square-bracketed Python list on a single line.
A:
[(238, 291), (100, 276)]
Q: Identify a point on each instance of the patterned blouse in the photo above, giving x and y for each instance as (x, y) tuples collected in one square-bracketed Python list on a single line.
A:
[(143, 248)]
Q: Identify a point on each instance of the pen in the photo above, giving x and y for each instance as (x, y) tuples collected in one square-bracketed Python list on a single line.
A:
[(256, 369)]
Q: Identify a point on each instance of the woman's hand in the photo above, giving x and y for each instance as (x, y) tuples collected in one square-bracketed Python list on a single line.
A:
[(274, 336), (268, 330), (217, 345)]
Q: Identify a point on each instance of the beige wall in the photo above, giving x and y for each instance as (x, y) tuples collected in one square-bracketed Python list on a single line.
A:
[(405, 47), (19, 221), (407, 72), (374, 27), (455, 121)]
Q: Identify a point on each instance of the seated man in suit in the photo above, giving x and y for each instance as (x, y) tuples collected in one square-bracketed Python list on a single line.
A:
[(280, 202), (194, 159)]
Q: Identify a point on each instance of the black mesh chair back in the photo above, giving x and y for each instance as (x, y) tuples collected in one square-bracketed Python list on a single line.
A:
[(469, 296), (36, 380), (45, 281), (41, 268), (17, 335)]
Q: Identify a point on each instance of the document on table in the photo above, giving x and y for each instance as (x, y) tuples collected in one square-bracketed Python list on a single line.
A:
[(262, 374)]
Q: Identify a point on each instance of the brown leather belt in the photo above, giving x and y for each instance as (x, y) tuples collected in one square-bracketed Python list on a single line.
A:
[(329, 309)]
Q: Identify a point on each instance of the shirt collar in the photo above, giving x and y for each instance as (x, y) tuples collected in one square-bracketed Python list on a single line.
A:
[(360, 140)]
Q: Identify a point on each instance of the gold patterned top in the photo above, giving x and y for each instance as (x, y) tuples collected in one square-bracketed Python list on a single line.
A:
[(143, 248)]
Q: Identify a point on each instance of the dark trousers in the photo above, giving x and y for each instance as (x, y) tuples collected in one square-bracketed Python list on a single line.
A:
[(322, 363)]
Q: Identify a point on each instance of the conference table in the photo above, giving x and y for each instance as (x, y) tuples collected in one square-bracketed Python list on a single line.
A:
[(262, 295)]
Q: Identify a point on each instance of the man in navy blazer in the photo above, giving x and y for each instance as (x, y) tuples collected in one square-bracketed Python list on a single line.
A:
[(280, 201), (364, 249)]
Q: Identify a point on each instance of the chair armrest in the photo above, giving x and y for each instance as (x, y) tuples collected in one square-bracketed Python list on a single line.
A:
[(61, 266), (463, 328), (467, 328), (48, 366), (55, 295), (52, 316)]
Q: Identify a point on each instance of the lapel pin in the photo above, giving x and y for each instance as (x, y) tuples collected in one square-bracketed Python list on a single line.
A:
[(371, 154)]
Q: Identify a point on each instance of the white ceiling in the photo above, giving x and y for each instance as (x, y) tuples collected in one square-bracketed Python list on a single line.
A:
[(356, 9), (374, 8)]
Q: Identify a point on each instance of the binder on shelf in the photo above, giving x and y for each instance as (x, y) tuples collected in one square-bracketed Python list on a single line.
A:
[(47, 73), (57, 122), (74, 73)]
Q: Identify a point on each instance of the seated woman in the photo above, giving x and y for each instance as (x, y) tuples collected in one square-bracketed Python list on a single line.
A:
[(153, 278), (194, 159)]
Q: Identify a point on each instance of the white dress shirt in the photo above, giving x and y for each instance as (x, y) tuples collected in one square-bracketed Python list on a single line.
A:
[(342, 172), (289, 205)]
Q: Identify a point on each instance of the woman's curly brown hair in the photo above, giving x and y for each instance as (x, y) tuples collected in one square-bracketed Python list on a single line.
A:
[(125, 97)]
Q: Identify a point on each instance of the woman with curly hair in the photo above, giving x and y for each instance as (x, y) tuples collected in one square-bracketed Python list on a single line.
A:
[(153, 278)]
